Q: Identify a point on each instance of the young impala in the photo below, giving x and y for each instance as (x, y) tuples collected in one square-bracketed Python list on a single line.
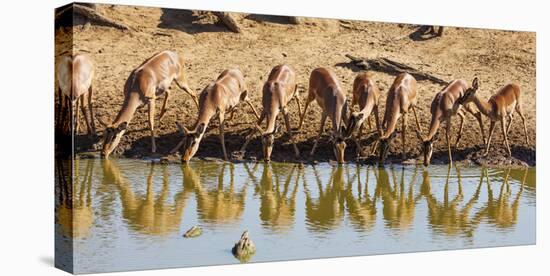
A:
[(219, 97), (366, 95), (326, 90), (401, 98), (444, 106), (500, 107), (74, 81), (279, 89), (150, 80)]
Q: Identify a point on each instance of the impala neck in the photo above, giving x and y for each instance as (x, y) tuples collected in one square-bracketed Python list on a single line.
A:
[(483, 105), (390, 118), (205, 114), (131, 103), (271, 119), (434, 126)]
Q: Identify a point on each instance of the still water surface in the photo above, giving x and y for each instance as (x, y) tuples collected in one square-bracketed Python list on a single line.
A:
[(130, 214)]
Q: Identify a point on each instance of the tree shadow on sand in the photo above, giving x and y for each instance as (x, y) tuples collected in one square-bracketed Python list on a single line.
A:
[(426, 32), (187, 21), (277, 19)]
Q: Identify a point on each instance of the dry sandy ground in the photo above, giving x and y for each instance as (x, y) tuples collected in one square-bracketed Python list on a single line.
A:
[(496, 57)]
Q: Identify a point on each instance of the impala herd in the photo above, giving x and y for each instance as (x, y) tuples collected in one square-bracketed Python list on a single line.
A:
[(225, 94)]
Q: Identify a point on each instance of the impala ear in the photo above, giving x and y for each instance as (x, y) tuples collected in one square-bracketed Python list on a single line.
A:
[(475, 84), (244, 95), (122, 126), (393, 135)]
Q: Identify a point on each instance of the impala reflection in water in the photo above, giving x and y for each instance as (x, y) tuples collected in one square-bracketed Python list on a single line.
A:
[(129, 214)]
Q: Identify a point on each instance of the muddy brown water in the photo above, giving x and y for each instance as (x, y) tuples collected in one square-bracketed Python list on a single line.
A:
[(131, 214)]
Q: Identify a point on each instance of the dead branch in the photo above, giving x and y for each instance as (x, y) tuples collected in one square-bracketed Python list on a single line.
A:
[(392, 67), (228, 20), (92, 15)]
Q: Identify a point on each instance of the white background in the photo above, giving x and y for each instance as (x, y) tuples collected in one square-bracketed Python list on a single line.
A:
[(26, 133)]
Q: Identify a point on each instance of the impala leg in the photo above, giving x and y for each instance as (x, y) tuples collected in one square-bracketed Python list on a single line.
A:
[(177, 147), (369, 122), (321, 130), (253, 110), (251, 134), (377, 118), (374, 147), (459, 135), (59, 109), (188, 90), (76, 114), (491, 130), (447, 136), (479, 118), (418, 129), (510, 119), (152, 124), (378, 128), (91, 108), (403, 136), (64, 109), (519, 110), (308, 101), (221, 115), (289, 130), (83, 106), (297, 99), (503, 126), (164, 104), (357, 140)]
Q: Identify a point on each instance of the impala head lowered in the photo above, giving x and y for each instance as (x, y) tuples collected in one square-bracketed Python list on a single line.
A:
[(325, 89), (356, 119), (384, 146), (339, 145), (191, 140), (400, 99), (428, 148), (268, 138), (111, 138)]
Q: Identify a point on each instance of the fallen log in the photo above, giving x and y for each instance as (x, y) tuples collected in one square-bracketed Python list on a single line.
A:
[(92, 15), (392, 67), (228, 20)]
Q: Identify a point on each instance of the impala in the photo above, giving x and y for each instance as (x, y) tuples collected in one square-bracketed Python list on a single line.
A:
[(401, 98), (150, 80), (366, 95), (279, 89), (219, 97), (74, 81), (500, 107), (444, 106), (326, 90)]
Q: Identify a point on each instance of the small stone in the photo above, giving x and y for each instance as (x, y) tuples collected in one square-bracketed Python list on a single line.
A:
[(244, 249), (194, 232)]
